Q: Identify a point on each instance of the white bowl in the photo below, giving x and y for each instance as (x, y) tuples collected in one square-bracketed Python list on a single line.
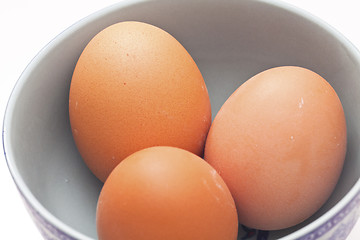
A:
[(230, 41)]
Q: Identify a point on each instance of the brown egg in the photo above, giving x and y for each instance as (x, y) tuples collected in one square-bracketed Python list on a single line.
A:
[(165, 193), (279, 143), (135, 86)]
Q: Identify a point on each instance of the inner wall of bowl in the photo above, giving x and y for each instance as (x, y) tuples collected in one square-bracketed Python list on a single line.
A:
[(230, 43)]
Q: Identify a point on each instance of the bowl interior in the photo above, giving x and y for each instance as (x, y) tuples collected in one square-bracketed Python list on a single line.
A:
[(230, 43)]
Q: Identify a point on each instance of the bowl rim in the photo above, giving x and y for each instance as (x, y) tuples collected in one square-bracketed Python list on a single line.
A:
[(68, 230)]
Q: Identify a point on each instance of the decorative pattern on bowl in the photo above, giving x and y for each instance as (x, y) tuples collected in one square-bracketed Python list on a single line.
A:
[(336, 228), (47, 230)]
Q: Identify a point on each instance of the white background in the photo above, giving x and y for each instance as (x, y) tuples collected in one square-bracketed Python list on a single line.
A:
[(27, 26)]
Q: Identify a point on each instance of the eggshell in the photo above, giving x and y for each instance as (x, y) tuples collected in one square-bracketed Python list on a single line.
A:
[(135, 86), (165, 193), (279, 143)]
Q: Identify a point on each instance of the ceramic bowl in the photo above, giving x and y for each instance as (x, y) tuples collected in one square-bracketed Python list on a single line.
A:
[(230, 41)]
